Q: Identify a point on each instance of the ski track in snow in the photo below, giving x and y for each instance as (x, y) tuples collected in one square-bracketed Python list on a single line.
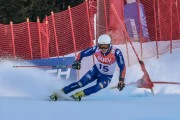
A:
[(30, 87)]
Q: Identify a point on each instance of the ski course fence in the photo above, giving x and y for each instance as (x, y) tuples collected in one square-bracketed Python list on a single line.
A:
[(72, 30)]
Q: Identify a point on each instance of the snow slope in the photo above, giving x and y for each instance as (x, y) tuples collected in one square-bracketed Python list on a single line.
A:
[(24, 93)]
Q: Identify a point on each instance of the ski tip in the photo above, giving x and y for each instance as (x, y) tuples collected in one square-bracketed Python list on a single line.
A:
[(53, 97), (74, 98)]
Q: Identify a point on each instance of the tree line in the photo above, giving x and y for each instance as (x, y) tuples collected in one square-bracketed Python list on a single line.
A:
[(18, 10)]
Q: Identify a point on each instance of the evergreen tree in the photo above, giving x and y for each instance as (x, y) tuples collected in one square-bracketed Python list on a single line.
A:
[(18, 10)]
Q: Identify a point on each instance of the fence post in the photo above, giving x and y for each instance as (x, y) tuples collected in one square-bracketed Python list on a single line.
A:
[(55, 35), (159, 17), (47, 37), (155, 23), (74, 41), (90, 31), (178, 16), (40, 39), (105, 13), (89, 23), (72, 30), (30, 40), (12, 35), (171, 27)]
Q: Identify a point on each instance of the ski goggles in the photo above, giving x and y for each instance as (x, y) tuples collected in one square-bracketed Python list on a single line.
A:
[(104, 46)]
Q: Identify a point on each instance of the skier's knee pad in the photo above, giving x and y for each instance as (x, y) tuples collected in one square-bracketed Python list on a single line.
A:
[(88, 76), (80, 84), (103, 84)]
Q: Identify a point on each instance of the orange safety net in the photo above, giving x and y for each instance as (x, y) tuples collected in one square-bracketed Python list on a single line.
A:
[(60, 34), (74, 30), (6, 47), (64, 32), (159, 17), (108, 15)]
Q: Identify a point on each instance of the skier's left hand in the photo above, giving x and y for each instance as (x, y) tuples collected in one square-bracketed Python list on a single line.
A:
[(76, 65), (121, 84)]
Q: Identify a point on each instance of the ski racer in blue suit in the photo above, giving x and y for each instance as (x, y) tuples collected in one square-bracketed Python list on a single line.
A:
[(106, 59)]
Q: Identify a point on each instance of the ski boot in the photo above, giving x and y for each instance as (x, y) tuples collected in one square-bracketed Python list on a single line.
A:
[(54, 97), (78, 95)]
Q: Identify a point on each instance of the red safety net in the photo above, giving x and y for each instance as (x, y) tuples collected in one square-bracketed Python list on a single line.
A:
[(60, 34), (109, 13), (143, 29), (162, 19), (6, 47), (72, 30)]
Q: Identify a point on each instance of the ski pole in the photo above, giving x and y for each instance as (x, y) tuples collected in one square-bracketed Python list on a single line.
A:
[(36, 66)]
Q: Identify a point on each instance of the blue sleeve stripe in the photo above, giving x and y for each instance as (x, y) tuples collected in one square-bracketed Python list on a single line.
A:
[(87, 52), (120, 59)]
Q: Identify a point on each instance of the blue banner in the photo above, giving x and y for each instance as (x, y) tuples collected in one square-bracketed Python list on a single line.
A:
[(64, 73), (133, 25)]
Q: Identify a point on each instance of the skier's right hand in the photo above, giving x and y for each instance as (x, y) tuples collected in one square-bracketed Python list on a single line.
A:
[(121, 84), (76, 65), (141, 62)]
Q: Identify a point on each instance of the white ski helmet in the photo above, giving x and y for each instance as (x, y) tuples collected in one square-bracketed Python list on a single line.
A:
[(104, 39)]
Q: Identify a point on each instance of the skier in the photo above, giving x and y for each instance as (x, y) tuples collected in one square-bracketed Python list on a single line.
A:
[(106, 59)]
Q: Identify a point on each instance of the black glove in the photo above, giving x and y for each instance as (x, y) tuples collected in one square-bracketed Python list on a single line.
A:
[(121, 84), (76, 65), (141, 62)]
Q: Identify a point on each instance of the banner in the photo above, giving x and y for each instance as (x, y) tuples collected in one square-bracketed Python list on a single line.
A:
[(64, 73), (134, 24)]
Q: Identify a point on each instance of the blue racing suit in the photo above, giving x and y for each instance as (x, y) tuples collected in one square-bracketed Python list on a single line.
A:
[(102, 71)]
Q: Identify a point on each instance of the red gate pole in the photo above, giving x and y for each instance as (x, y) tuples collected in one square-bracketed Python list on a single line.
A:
[(141, 63), (126, 34)]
